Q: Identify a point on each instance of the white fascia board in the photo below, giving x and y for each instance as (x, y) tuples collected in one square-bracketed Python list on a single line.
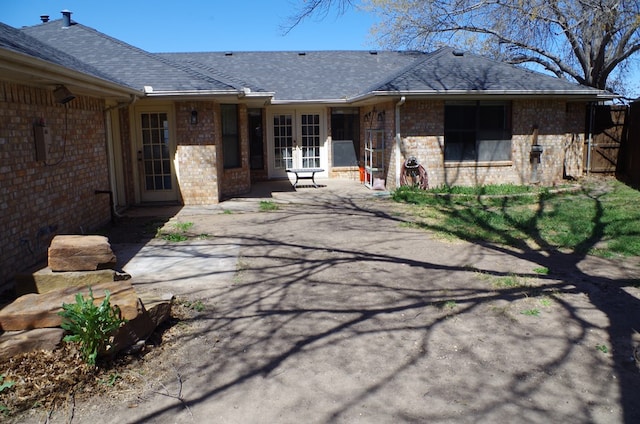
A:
[(207, 93), (585, 94), (310, 102)]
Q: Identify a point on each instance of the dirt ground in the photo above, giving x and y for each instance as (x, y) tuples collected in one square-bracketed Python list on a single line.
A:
[(331, 310)]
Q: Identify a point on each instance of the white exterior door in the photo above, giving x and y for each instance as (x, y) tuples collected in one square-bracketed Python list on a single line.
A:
[(155, 153), (296, 140)]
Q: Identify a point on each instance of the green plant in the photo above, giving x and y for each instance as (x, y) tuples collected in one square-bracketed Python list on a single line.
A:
[(196, 305), (546, 302), (177, 233), (509, 281), (90, 325), (268, 205), (174, 237), (111, 381), (602, 348), (183, 226), (543, 270), (227, 211), (5, 384), (531, 312)]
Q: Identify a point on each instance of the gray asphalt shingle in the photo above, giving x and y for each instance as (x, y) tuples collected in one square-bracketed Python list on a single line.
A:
[(135, 67), (17, 41), (291, 75)]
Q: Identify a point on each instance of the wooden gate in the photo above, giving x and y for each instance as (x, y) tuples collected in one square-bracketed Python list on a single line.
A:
[(608, 131)]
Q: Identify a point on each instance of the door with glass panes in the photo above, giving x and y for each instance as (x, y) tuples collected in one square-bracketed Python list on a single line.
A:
[(155, 153), (297, 141)]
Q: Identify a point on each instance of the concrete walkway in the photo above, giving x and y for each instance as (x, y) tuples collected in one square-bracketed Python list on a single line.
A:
[(333, 309)]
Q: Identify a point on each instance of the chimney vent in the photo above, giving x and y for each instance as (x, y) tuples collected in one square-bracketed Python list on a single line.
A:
[(66, 18), (44, 18)]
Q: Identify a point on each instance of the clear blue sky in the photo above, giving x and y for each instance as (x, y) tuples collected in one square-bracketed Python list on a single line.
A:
[(213, 25), (201, 25)]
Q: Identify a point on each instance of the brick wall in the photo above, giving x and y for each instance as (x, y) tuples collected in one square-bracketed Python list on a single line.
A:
[(39, 199), (559, 126), (197, 153)]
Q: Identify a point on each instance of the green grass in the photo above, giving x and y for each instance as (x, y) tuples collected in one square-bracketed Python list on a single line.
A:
[(267, 205), (177, 232), (590, 220), (531, 312)]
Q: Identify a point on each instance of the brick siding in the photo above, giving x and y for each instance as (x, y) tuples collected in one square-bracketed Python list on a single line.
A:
[(38, 200), (560, 132)]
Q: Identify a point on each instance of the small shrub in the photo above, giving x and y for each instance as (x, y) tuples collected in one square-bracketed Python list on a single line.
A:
[(90, 325), (602, 348)]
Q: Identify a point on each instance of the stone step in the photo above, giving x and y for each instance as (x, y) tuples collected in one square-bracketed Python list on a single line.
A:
[(46, 280), (80, 253), (41, 310)]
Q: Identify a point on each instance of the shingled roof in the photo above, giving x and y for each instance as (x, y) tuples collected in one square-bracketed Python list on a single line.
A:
[(301, 77), (20, 42), (133, 66)]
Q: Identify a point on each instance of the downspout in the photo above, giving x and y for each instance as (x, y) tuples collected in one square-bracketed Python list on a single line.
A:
[(398, 140)]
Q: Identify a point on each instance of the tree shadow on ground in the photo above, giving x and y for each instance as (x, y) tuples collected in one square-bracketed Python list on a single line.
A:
[(415, 334)]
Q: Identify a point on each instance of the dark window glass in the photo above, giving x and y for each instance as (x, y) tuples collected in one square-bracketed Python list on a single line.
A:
[(230, 139), (477, 131)]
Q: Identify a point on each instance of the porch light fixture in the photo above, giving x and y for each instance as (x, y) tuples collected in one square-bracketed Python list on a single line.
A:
[(194, 117), (63, 95)]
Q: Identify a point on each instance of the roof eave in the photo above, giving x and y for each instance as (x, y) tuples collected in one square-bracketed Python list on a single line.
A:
[(309, 101), (585, 94), (234, 93), (57, 74)]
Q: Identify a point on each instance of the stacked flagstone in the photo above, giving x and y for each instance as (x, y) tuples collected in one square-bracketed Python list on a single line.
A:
[(76, 264)]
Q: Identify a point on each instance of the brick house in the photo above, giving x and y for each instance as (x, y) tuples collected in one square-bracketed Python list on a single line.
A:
[(195, 128)]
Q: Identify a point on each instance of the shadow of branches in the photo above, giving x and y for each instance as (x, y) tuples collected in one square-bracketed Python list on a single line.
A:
[(338, 313)]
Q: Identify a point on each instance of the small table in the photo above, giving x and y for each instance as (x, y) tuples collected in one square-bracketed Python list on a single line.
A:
[(304, 171)]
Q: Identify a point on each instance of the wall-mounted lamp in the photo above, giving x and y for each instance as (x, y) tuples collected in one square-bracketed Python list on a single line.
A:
[(63, 95), (194, 117)]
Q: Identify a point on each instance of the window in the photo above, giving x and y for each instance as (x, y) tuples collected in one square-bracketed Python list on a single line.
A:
[(345, 135), (477, 131), (230, 139)]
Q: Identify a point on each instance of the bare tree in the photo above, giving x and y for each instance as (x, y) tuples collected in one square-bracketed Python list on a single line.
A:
[(586, 40)]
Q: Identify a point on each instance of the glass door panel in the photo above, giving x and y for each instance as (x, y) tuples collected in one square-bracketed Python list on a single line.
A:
[(157, 179)]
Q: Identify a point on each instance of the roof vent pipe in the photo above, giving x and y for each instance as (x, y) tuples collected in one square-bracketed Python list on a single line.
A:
[(44, 18), (66, 18)]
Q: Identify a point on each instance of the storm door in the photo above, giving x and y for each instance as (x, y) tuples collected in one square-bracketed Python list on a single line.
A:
[(155, 158)]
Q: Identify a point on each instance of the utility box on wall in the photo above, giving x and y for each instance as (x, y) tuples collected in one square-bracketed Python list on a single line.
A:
[(43, 141)]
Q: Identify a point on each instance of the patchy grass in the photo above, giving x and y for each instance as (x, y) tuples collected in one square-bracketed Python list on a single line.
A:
[(602, 218), (268, 206), (177, 232)]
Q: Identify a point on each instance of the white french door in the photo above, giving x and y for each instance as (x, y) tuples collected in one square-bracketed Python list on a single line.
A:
[(155, 153), (297, 141)]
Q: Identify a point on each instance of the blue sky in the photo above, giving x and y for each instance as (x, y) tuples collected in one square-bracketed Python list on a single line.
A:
[(202, 25), (213, 25)]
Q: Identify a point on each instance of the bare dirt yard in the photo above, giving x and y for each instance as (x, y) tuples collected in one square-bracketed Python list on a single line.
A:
[(329, 309)]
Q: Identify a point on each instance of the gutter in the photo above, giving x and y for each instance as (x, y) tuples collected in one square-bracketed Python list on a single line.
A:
[(586, 94), (398, 147)]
